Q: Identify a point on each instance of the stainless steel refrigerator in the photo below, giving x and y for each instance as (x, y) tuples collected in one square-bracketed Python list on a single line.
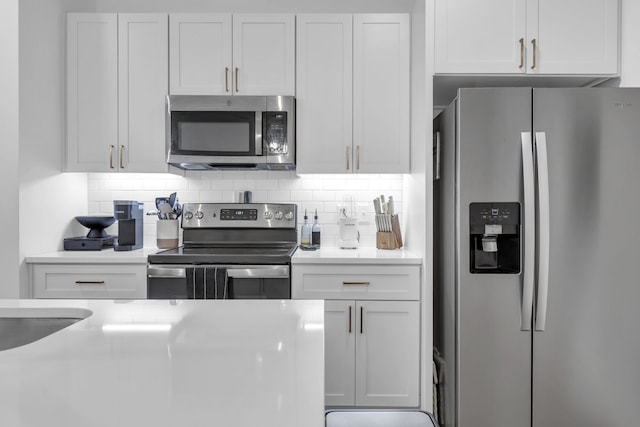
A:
[(537, 257)]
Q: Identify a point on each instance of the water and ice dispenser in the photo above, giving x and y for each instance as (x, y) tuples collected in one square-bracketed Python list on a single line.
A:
[(494, 238)]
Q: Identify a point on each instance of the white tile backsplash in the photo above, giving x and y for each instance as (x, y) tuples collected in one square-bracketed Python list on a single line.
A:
[(322, 192)]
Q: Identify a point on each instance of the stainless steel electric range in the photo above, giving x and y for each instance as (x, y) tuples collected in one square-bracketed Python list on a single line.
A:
[(229, 251)]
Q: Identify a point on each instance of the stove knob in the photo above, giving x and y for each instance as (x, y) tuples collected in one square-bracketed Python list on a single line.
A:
[(188, 215), (289, 215), (267, 215), (278, 215), (199, 215)]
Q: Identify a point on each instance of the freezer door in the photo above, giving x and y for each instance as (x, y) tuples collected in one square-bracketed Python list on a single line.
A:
[(586, 359), (493, 352)]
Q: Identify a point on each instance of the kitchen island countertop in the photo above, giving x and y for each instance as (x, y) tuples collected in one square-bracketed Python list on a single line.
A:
[(167, 363)]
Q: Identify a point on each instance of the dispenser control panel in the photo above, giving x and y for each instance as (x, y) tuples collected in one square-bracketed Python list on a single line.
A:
[(494, 238), (506, 215)]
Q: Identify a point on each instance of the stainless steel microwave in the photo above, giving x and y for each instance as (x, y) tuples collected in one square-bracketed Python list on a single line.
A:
[(230, 132)]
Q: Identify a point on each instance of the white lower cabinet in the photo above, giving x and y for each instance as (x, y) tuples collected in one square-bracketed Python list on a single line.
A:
[(372, 331), (372, 353), (109, 281)]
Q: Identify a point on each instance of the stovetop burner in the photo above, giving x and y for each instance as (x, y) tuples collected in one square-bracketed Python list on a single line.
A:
[(225, 255)]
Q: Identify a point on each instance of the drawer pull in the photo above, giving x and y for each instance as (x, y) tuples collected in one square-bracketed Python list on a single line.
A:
[(89, 282), (361, 319), (355, 283)]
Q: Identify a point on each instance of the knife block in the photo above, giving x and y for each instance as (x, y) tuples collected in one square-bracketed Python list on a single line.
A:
[(390, 239)]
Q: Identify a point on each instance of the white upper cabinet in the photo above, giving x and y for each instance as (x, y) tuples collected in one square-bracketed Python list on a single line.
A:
[(324, 119), (223, 54), (143, 85), (264, 54), (117, 74), (547, 37), (381, 85), (92, 92), (353, 93), (200, 54), (573, 37)]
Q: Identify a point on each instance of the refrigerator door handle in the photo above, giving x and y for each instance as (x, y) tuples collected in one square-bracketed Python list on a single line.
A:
[(529, 232), (543, 231)]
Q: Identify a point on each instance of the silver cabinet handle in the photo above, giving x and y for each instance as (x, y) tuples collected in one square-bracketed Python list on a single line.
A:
[(111, 147), (529, 231), (236, 79), (361, 319), (226, 79), (350, 318), (122, 157), (355, 283), (521, 53), (279, 272), (357, 157), (543, 231), (533, 42), (89, 282), (348, 154)]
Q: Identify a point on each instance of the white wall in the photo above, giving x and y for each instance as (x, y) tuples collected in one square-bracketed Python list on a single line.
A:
[(9, 258), (48, 199)]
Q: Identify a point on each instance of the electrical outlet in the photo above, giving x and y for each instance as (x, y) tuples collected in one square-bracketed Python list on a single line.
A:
[(363, 214)]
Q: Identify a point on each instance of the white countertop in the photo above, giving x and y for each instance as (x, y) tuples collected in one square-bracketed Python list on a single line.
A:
[(166, 363), (105, 256), (363, 255)]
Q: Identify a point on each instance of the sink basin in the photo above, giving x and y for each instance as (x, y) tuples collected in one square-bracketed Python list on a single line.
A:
[(20, 326)]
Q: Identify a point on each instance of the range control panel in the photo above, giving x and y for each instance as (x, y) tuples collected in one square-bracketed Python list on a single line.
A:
[(239, 215)]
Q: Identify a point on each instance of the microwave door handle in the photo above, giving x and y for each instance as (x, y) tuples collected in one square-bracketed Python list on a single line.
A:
[(259, 133)]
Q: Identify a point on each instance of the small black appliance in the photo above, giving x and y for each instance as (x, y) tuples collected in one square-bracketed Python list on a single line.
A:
[(97, 238), (129, 214)]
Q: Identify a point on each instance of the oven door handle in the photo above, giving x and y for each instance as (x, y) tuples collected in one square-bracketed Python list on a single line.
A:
[(263, 272), (167, 272)]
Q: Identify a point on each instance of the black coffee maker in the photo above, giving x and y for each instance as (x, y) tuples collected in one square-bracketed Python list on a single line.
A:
[(129, 214)]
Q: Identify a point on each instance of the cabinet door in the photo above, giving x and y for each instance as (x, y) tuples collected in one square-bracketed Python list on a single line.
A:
[(381, 78), (588, 45), (387, 353), (324, 93), (143, 84), (339, 350), (200, 54), (92, 92), (480, 36), (263, 54)]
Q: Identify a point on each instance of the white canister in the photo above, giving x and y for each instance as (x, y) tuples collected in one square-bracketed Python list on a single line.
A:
[(167, 233)]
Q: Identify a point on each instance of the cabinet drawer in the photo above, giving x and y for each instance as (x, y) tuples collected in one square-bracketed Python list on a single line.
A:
[(372, 282), (89, 281)]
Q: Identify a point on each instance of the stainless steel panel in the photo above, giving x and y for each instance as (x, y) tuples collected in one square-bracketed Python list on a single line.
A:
[(585, 362), (216, 103), (444, 285), (494, 355)]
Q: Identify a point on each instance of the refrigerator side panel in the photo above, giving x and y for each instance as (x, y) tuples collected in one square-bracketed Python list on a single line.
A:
[(493, 353), (586, 359), (445, 268)]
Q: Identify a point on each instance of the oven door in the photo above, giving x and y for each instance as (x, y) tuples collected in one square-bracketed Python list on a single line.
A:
[(218, 281)]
